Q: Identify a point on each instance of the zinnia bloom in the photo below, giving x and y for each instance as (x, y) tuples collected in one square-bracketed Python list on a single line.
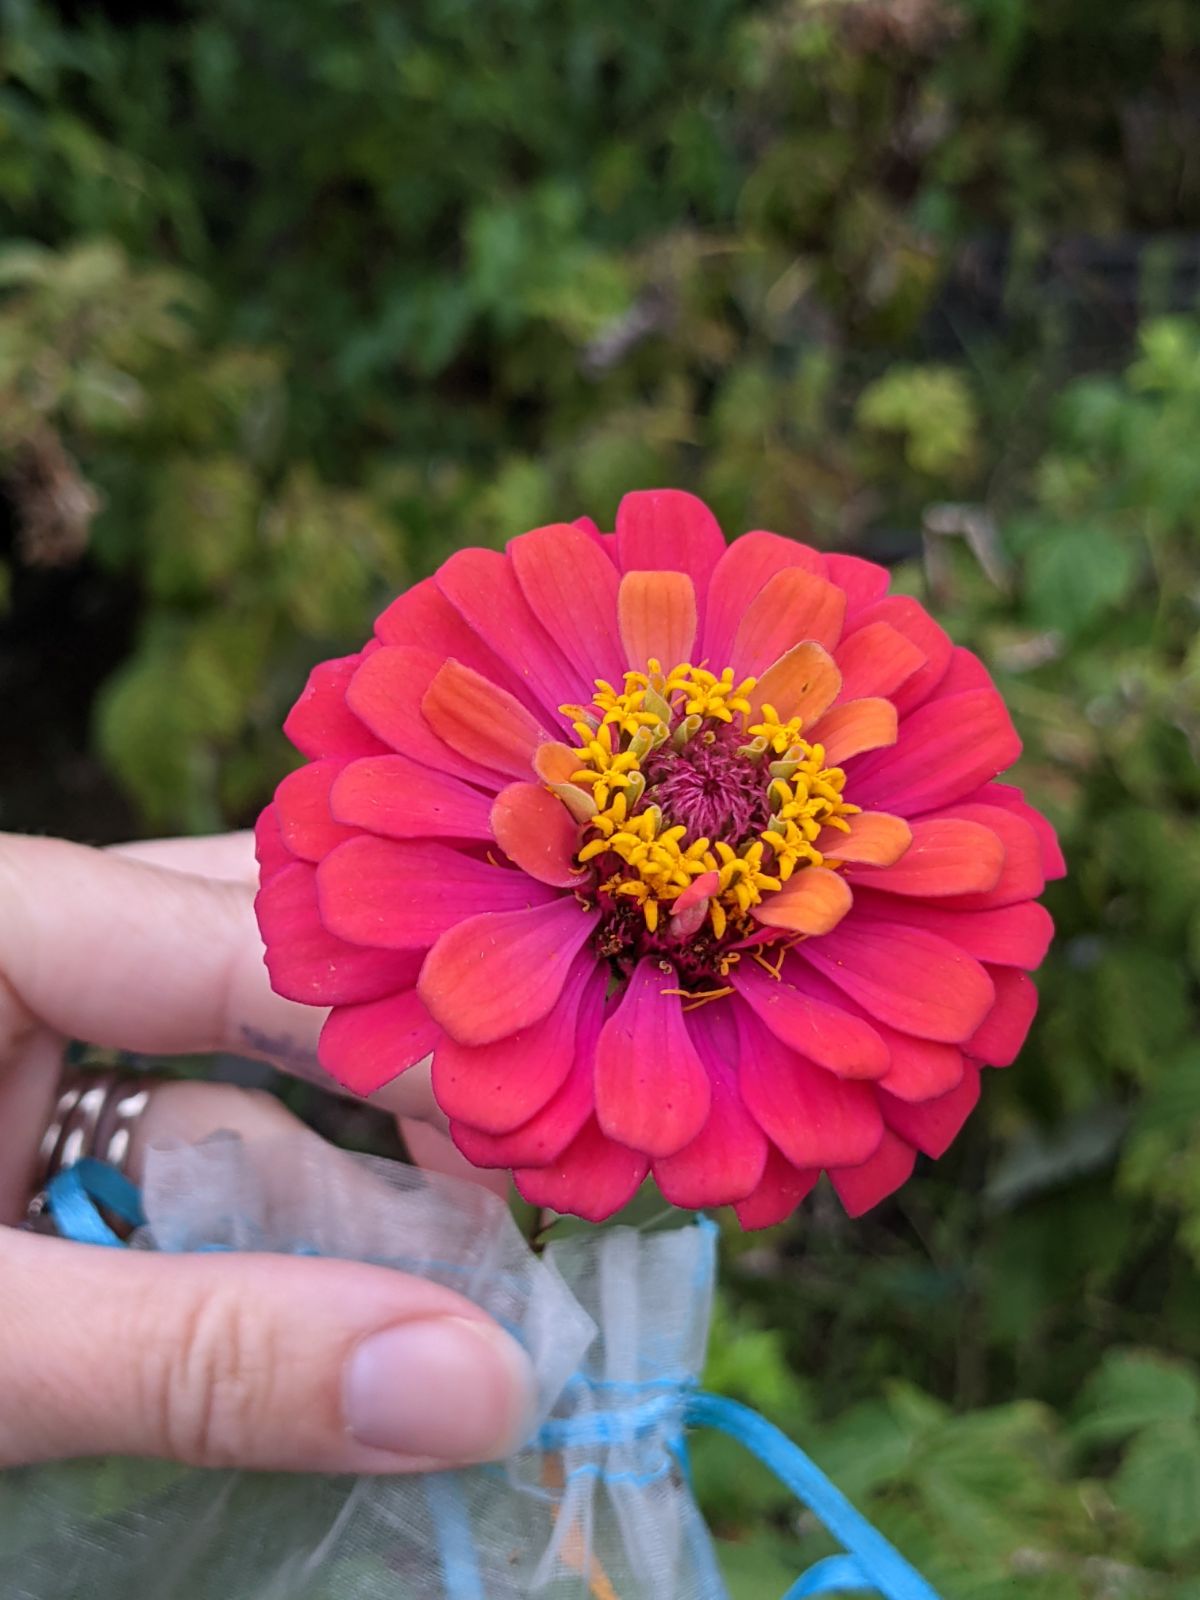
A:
[(681, 858)]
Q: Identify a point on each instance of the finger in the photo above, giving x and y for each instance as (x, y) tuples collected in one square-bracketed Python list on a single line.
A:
[(128, 956), (434, 1151), (255, 1361), (228, 856)]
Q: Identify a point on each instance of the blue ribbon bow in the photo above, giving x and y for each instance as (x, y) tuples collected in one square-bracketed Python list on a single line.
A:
[(77, 1196)]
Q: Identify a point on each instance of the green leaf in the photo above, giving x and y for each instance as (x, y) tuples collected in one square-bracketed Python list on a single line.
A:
[(1158, 1485), (1135, 1390)]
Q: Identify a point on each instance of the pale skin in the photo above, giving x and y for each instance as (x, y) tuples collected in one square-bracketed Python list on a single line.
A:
[(251, 1361)]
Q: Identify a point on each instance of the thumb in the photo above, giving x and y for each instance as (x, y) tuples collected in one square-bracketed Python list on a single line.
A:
[(268, 1362)]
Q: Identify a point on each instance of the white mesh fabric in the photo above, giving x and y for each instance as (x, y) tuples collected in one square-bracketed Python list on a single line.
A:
[(594, 1508)]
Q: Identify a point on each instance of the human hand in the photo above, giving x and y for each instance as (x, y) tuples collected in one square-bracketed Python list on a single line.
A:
[(252, 1361)]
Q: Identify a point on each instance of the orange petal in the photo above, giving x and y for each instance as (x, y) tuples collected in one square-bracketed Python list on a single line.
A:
[(538, 833), (876, 838), (656, 612), (947, 856), (814, 900), (803, 683), (480, 720), (791, 606), (856, 726), (554, 762)]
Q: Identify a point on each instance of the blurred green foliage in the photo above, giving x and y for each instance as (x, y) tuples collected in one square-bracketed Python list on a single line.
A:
[(296, 299)]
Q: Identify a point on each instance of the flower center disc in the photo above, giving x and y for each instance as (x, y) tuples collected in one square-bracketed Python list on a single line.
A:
[(697, 802)]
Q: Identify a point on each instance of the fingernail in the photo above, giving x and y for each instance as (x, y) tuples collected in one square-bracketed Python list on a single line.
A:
[(446, 1387)]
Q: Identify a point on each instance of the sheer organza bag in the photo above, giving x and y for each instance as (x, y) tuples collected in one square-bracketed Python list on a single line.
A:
[(595, 1506)]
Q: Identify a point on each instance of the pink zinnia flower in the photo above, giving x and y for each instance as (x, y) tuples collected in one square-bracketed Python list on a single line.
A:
[(681, 858)]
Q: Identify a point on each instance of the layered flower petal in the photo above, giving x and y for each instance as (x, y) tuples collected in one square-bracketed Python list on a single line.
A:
[(571, 588), (946, 749), (668, 530), (999, 1037), (386, 693), (748, 564), (400, 799), (726, 1159), (873, 839), (780, 1190), (933, 1125), (812, 902), (322, 723), (368, 1045), (875, 660), (864, 582), (652, 1090), (859, 1188), (503, 970), (537, 832), (1022, 876), (1010, 936), (656, 613), (906, 976), (499, 1086), (815, 1119), (270, 851), (592, 1178), (947, 856), (794, 605), (855, 727), (404, 894), (911, 619), (306, 962), (306, 824), (829, 1034), (481, 721), (803, 683)]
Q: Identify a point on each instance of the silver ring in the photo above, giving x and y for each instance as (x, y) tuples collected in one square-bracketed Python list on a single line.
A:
[(95, 1115)]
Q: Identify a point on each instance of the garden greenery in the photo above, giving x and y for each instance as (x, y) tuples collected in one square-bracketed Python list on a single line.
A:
[(295, 299)]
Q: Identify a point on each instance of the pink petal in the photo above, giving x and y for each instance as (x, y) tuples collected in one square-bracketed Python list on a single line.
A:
[(792, 606), (803, 683), (425, 617), (306, 962), (1011, 936), (270, 851), (875, 839), (1012, 799), (860, 1188), (571, 587), (667, 530), (934, 1125), (830, 1035), (493, 974), (875, 661), (482, 587), (863, 581), (656, 612), (652, 1091), (748, 563), (1002, 1033), (904, 975), (1022, 876), (781, 1190), (321, 723), (947, 856), (911, 619), (496, 1087), (920, 1069), (725, 1161), (537, 832), (965, 671), (855, 727), (591, 1179), (481, 721), (386, 692), (946, 749), (366, 1046), (815, 1119), (401, 799), (549, 1131), (302, 809), (813, 901), (404, 894)]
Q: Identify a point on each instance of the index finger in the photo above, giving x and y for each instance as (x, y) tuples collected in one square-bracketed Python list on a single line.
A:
[(126, 955)]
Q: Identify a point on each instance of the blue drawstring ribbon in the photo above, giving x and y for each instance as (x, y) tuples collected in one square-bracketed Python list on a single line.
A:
[(78, 1197)]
